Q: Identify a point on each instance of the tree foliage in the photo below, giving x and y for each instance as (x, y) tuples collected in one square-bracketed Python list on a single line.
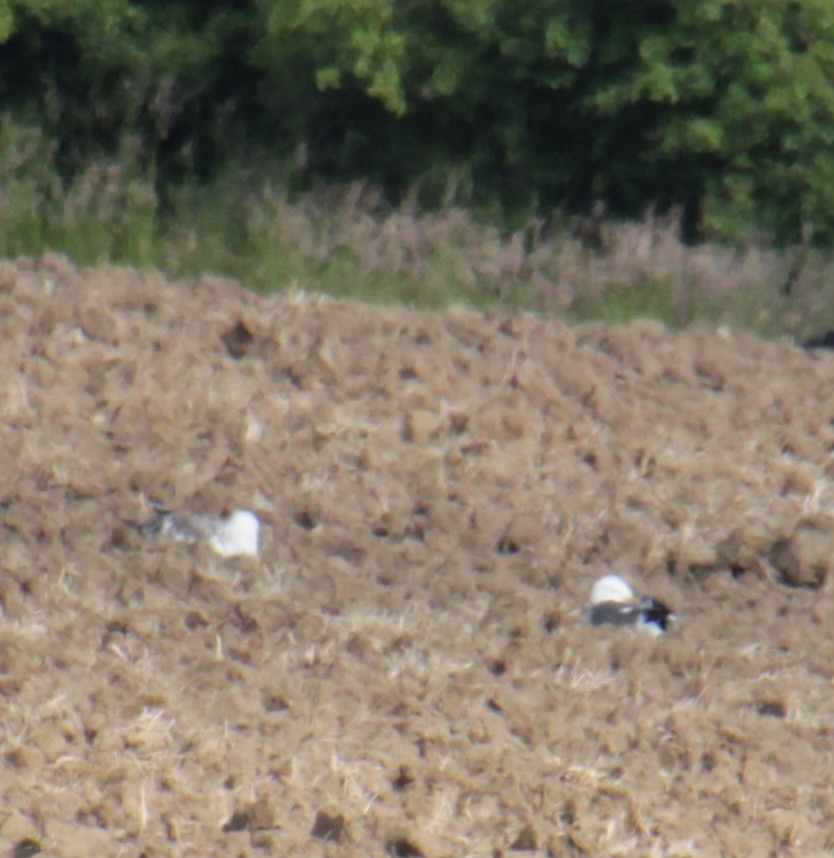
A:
[(724, 107)]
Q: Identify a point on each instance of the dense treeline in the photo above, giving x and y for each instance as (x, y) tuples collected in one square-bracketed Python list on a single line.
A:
[(722, 107)]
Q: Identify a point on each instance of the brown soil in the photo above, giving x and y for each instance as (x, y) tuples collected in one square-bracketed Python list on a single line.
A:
[(405, 670)]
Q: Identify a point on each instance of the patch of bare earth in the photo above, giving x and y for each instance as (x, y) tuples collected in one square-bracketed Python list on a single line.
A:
[(405, 669)]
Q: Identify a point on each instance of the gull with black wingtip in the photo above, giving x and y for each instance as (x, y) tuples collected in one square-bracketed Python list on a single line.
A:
[(613, 602)]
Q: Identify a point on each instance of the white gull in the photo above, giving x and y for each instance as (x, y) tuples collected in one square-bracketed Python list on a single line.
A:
[(229, 536), (614, 602)]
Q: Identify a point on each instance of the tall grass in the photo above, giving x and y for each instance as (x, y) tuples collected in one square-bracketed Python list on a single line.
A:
[(345, 240)]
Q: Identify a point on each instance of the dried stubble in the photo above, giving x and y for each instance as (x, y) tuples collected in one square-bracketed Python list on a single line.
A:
[(405, 669)]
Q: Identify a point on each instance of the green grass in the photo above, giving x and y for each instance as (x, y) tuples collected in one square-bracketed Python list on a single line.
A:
[(618, 303), (344, 241)]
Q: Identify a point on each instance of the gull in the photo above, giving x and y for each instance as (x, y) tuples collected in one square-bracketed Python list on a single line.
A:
[(229, 536), (614, 602)]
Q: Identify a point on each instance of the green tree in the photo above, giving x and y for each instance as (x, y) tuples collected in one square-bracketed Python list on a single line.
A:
[(98, 70), (741, 99), (725, 106)]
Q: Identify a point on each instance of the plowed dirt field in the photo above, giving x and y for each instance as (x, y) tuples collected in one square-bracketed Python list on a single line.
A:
[(405, 669)]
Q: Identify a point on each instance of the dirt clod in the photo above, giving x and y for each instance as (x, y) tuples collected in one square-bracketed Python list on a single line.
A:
[(329, 826), (525, 841), (806, 558), (26, 848), (238, 340), (403, 847)]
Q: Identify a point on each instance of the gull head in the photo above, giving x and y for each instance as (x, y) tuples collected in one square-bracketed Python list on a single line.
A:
[(236, 535), (611, 588)]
